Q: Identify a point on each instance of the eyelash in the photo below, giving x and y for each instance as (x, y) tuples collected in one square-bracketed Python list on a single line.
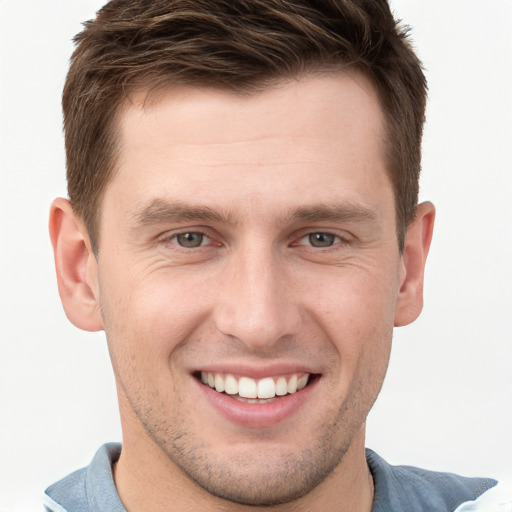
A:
[(174, 239), (336, 239), (305, 240)]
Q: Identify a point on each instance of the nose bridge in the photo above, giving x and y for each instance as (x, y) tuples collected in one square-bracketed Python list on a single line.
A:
[(256, 306)]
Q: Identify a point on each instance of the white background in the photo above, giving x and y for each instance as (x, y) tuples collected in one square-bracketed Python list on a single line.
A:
[(447, 402)]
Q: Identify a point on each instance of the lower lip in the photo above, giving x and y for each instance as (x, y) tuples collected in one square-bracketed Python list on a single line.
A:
[(257, 415)]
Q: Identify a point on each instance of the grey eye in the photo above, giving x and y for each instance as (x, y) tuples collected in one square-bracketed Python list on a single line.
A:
[(190, 240), (321, 239)]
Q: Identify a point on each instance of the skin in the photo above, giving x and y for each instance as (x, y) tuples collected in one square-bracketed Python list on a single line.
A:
[(257, 175)]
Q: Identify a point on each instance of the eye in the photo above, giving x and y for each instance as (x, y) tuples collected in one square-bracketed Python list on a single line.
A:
[(191, 240), (321, 239)]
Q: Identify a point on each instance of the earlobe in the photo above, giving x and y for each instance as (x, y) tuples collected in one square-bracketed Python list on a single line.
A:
[(417, 243), (76, 267)]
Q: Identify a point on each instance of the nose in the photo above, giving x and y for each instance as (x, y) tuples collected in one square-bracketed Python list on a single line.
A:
[(256, 304)]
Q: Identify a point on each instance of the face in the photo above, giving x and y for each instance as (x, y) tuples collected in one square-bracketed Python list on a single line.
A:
[(247, 278)]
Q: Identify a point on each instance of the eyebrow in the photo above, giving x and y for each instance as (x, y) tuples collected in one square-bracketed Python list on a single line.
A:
[(337, 212), (160, 211)]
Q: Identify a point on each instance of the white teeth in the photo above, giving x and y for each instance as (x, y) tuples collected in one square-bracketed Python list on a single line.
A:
[(231, 385), (247, 388), (281, 386), (292, 384), (266, 388), (301, 383), (219, 383), (253, 391)]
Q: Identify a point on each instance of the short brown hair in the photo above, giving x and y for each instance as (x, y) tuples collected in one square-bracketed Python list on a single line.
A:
[(239, 45)]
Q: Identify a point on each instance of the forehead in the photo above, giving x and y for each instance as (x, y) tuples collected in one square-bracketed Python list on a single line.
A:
[(308, 102), (321, 135)]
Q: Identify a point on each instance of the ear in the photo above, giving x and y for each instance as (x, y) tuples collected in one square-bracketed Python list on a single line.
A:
[(417, 242), (76, 266)]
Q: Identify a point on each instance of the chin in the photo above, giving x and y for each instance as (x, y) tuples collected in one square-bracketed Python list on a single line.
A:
[(258, 475), (264, 485)]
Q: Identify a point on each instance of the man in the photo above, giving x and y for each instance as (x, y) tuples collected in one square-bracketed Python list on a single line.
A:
[(243, 224)]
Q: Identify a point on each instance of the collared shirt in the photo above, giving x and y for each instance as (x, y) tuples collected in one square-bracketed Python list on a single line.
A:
[(397, 488)]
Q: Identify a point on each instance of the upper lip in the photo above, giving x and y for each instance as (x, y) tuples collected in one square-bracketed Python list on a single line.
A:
[(256, 372)]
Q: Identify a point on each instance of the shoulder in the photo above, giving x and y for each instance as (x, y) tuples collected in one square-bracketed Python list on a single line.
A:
[(88, 489), (405, 488), (68, 494), (497, 499)]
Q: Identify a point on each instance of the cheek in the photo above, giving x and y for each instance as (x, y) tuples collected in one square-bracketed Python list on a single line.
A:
[(361, 331), (356, 313), (359, 301), (146, 320)]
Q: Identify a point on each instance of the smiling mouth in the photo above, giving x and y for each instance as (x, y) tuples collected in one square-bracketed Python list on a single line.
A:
[(255, 391)]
